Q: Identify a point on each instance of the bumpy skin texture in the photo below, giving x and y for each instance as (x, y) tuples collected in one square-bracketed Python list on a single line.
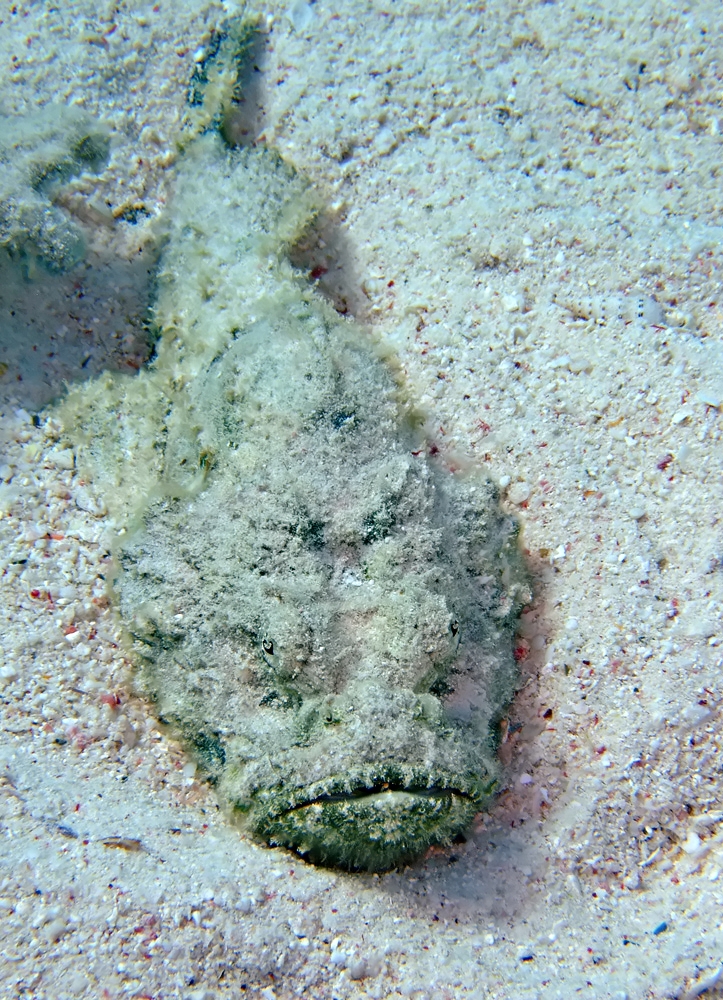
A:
[(38, 153), (322, 611), (303, 616)]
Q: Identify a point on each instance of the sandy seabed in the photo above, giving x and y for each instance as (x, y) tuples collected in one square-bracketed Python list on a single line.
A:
[(527, 206)]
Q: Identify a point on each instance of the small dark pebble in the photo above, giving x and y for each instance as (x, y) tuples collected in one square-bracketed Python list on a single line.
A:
[(660, 928), (527, 958), (67, 832)]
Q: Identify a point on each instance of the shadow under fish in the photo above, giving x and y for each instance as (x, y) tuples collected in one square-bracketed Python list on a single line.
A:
[(319, 607)]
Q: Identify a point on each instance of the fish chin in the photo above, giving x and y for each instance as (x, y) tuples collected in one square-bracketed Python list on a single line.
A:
[(367, 779), (373, 825)]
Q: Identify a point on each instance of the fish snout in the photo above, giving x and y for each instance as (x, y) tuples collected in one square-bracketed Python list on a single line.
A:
[(376, 777)]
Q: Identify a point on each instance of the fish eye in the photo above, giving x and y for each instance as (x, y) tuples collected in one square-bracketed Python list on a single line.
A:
[(267, 646)]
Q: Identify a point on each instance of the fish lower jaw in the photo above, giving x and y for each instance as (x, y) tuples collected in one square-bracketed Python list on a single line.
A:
[(372, 829)]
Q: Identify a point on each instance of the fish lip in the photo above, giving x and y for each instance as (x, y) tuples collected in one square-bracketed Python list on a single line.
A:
[(361, 792), (362, 822), (357, 788)]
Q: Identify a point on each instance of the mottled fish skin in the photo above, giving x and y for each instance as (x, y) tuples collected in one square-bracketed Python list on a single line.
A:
[(39, 152), (323, 611)]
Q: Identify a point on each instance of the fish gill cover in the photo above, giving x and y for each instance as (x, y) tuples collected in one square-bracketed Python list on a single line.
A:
[(322, 610)]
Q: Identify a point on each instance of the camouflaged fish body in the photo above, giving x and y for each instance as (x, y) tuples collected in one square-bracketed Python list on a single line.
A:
[(321, 610), (324, 612)]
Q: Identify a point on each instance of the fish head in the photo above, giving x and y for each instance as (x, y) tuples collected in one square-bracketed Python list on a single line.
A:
[(363, 759), (346, 707)]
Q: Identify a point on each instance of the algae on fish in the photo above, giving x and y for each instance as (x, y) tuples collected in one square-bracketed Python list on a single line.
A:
[(39, 152), (322, 610)]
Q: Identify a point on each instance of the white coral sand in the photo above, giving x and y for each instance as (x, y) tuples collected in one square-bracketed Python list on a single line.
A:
[(528, 209)]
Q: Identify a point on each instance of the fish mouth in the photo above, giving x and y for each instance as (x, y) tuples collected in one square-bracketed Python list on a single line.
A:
[(374, 823), (381, 788)]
